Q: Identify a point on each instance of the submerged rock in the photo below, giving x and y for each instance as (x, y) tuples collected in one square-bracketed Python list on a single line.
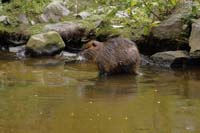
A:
[(68, 57), (44, 62), (171, 59), (54, 12), (45, 44)]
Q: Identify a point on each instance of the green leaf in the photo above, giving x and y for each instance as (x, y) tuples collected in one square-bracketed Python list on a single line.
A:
[(133, 3), (173, 2)]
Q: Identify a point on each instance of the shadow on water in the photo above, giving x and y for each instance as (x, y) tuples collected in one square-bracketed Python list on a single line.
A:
[(49, 96)]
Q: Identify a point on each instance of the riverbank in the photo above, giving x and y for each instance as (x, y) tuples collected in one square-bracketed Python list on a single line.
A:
[(171, 43)]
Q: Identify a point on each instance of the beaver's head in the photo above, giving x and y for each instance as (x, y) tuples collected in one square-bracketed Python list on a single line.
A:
[(91, 49)]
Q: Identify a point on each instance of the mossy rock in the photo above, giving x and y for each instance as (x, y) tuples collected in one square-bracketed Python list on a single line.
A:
[(45, 44)]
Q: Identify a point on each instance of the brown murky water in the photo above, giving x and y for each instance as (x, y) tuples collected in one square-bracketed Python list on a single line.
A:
[(47, 96)]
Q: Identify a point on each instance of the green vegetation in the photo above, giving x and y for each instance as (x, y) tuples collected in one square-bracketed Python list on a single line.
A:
[(133, 16), (32, 8)]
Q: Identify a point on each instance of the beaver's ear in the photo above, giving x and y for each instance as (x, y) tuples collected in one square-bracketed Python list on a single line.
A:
[(94, 44)]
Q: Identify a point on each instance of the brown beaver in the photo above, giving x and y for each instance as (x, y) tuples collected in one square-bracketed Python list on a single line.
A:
[(116, 55)]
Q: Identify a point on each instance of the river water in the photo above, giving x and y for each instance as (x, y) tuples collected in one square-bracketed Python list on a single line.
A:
[(49, 96)]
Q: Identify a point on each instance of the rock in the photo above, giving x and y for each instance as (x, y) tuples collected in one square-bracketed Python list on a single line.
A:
[(173, 26), (171, 59), (19, 51), (32, 22), (83, 15), (149, 45), (145, 60), (5, 20), (68, 57), (16, 49), (62, 27), (23, 19), (71, 33), (122, 14), (194, 40), (45, 44), (43, 18), (168, 35), (54, 12)]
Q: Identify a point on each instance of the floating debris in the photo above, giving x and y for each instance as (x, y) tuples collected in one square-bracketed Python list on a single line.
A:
[(72, 114), (35, 95), (126, 118)]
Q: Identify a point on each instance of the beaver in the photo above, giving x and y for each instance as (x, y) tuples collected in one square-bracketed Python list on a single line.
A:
[(114, 56)]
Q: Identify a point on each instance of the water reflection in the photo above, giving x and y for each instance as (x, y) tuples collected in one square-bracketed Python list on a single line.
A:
[(40, 73), (111, 87), (49, 96)]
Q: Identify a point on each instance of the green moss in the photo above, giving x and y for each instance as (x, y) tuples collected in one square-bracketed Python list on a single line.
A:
[(39, 41), (35, 29)]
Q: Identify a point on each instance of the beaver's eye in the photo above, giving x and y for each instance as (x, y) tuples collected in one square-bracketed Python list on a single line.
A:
[(94, 45)]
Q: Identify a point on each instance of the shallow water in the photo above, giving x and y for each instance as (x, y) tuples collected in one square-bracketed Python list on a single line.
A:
[(48, 96)]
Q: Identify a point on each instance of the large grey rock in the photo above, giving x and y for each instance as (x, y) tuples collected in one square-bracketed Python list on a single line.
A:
[(54, 12), (171, 59), (72, 34), (62, 27), (46, 44), (194, 40), (173, 26)]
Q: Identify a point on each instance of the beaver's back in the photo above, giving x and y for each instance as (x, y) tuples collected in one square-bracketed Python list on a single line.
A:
[(117, 54)]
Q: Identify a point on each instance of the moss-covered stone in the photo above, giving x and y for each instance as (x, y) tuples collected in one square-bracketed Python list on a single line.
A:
[(46, 44)]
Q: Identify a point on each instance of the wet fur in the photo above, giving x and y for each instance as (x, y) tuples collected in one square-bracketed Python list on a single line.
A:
[(117, 55)]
